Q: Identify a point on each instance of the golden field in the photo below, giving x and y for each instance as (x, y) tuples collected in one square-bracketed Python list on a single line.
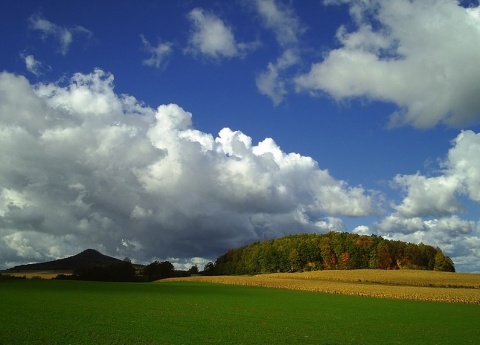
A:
[(402, 284), (37, 274)]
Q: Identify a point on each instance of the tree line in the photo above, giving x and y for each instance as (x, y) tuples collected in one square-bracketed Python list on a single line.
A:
[(123, 272), (333, 250)]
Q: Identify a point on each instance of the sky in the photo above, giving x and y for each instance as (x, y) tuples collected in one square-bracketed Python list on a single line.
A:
[(175, 130)]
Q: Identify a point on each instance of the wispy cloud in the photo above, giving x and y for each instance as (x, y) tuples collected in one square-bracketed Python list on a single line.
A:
[(63, 35), (287, 28), (212, 37), (32, 65), (158, 54), (282, 20), (272, 81)]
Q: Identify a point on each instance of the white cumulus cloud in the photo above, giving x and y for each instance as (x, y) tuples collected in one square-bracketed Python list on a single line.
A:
[(463, 162), (428, 195), (85, 167), (420, 55), (440, 195), (431, 208), (458, 238)]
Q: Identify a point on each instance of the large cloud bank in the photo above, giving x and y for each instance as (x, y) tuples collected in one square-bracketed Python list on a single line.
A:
[(85, 167)]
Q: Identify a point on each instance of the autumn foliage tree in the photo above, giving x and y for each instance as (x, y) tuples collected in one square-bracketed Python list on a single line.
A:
[(333, 250)]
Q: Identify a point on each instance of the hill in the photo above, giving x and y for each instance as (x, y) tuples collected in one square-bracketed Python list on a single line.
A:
[(87, 258), (333, 250)]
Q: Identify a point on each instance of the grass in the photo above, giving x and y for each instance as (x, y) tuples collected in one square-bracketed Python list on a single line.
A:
[(74, 312)]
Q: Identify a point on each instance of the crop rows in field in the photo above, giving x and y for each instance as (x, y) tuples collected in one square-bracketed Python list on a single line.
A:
[(403, 284)]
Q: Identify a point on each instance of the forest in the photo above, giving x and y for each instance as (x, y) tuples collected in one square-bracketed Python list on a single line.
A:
[(330, 251)]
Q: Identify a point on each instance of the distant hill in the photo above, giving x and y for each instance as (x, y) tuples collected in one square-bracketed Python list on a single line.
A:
[(87, 258)]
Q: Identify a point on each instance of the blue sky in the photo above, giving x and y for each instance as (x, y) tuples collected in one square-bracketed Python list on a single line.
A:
[(178, 129)]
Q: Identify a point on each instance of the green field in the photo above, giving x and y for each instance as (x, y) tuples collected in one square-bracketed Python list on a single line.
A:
[(76, 312)]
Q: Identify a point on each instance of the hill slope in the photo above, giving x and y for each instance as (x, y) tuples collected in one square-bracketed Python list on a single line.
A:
[(87, 258)]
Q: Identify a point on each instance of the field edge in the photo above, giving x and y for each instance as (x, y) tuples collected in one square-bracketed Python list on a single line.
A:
[(407, 285)]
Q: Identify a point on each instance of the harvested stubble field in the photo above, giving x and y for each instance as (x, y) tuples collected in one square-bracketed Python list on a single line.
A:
[(403, 284), (37, 274)]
